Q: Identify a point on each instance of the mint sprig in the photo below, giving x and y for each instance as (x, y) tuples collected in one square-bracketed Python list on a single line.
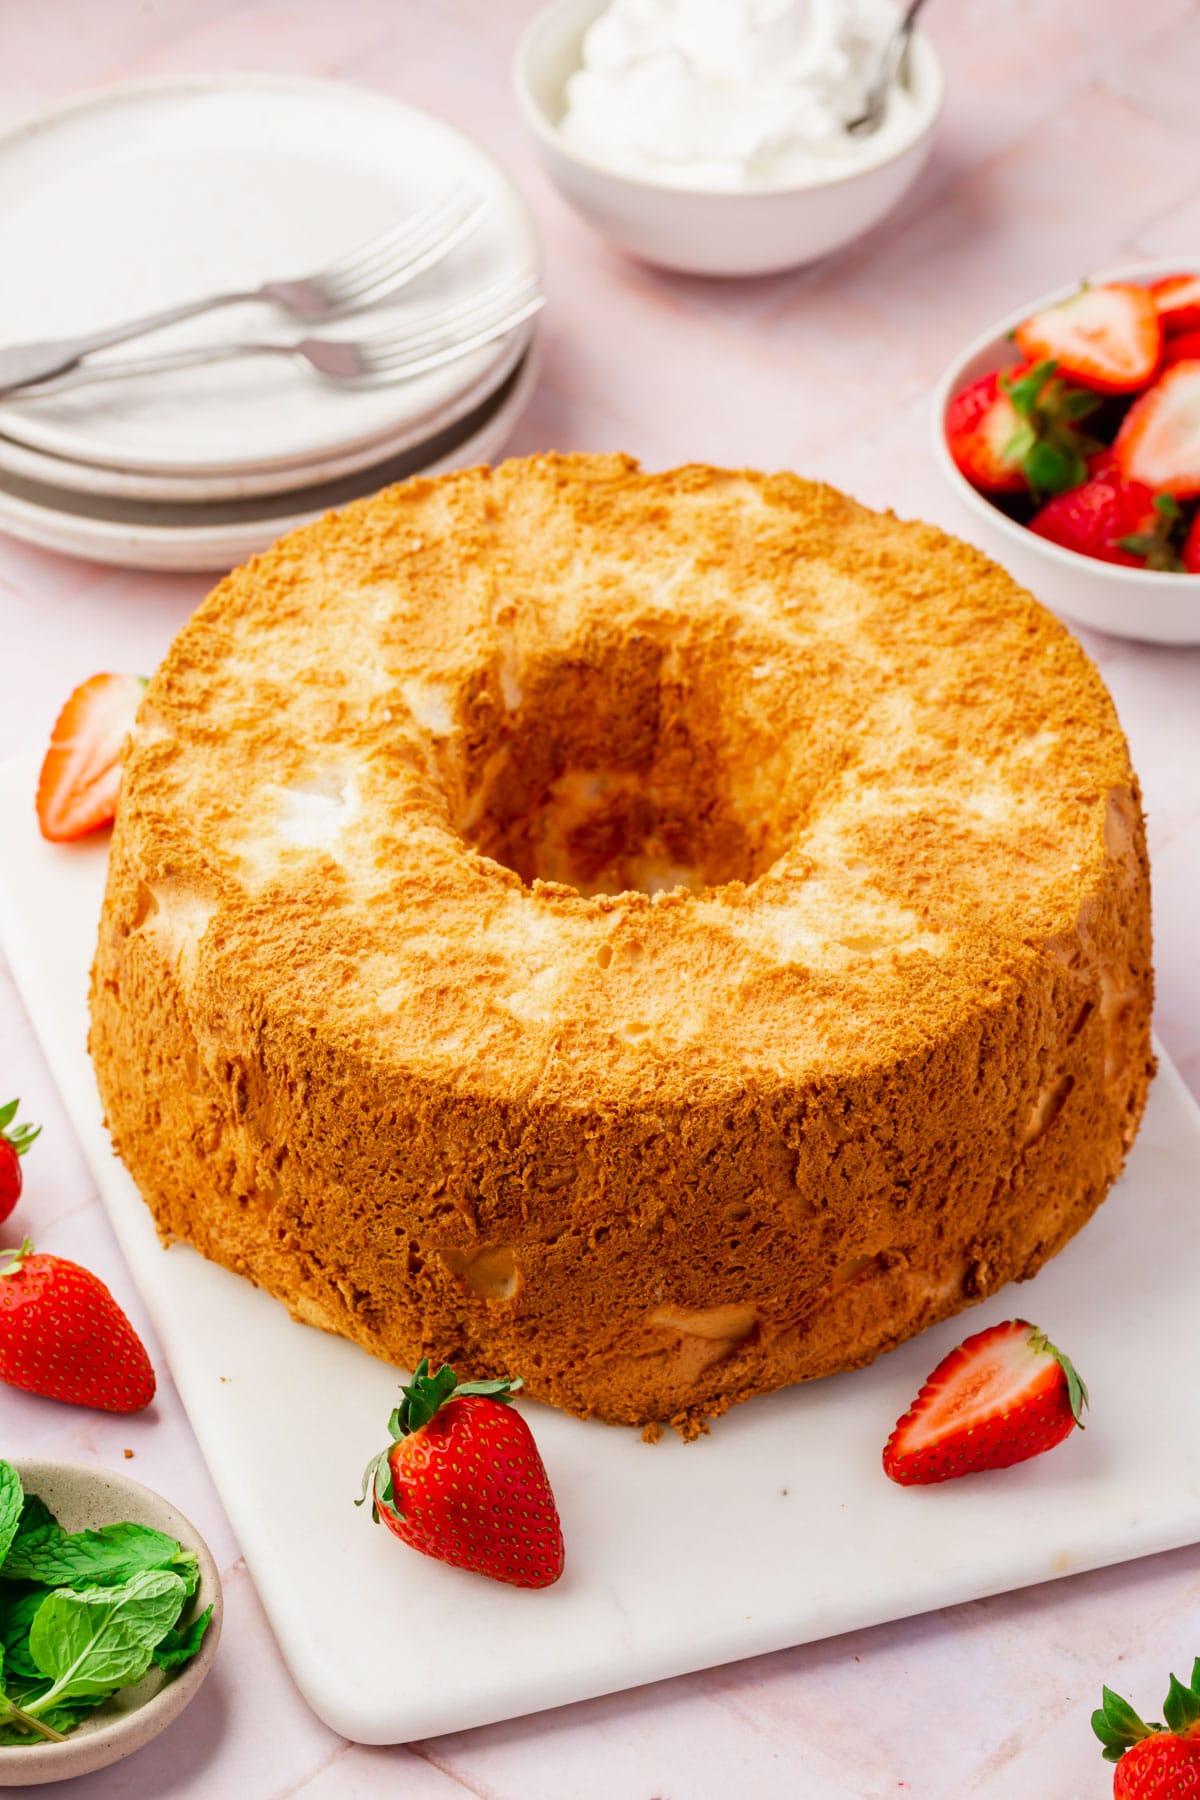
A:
[(83, 1613)]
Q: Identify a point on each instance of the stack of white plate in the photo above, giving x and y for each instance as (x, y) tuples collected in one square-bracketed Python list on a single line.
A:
[(144, 197)]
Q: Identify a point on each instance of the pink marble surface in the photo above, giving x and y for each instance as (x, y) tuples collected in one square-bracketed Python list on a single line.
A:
[(1071, 140)]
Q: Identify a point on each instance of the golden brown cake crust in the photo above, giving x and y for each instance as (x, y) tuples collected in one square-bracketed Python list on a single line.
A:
[(663, 935)]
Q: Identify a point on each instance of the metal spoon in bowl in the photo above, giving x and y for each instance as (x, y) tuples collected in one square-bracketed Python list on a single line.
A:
[(875, 104)]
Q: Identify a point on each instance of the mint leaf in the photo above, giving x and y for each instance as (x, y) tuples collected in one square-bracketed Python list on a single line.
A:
[(179, 1647), (17, 1607), (12, 1497), (37, 1526), (90, 1643), (187, 1566), (57, 1558)]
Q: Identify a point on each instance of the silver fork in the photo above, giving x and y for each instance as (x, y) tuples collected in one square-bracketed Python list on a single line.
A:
[(432, 338), (386, 263)]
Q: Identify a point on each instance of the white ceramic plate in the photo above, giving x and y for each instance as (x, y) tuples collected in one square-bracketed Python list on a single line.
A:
[(145, 196), (155, 534), (777, 1529), (276, 478)]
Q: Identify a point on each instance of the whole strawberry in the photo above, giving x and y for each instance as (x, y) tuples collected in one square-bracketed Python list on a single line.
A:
[(14, 1143), (1002, 1396), (63, 1335), (1154, 1762), (463, 1482)]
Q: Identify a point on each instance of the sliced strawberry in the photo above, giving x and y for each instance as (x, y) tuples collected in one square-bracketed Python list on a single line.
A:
[(1113, 520), (981, 423), (1107, 338), (1159, 440), (1016, 431), (1002, 1396), (77, 788), (1177, 301), (1189, 556), (1182, 346)]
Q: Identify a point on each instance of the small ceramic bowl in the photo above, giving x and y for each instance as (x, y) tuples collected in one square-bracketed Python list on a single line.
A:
[(704, 232), (84, 1498), (1157, 607)]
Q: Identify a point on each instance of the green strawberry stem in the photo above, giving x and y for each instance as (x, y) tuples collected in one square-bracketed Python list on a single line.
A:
[(22, 1135), (424, 1395), (1119, 1728), (19, 1717), (1077, 1392), (1047, 443), (1159, 548), (14, 1260)]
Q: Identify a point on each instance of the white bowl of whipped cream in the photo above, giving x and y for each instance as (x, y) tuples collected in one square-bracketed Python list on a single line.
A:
[(710, 136)]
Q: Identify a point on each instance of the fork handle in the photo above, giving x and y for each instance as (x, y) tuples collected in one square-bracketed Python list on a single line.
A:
[(120, 368), (21, 365)]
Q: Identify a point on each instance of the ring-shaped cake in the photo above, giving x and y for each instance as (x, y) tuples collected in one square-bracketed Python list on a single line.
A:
[(665, 936)]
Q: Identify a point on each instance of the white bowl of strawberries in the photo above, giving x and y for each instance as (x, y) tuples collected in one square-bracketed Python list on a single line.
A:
[(1071, 434)]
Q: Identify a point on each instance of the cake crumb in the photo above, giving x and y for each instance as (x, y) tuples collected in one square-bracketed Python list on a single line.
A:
[(651, 1434), (127, 1454)]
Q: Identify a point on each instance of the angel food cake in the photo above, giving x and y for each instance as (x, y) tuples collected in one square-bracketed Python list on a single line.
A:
[(665, 936)]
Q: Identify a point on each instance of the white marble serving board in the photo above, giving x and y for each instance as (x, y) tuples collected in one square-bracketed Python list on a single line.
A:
[(777, 1529)]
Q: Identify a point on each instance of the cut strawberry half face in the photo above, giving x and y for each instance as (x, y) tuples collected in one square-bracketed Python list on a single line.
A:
[(1177, 300), (1159, 440), (1107, 338), (1002, 1396), (81, 773), (981, 423)]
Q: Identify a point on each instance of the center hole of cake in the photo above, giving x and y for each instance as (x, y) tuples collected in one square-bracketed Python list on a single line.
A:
[(617, 774)]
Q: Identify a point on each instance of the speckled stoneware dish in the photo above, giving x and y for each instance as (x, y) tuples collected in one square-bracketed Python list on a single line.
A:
[(84, 1498)]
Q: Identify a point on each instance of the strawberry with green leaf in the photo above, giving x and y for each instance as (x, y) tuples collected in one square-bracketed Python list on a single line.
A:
[(462, 1481), (1017, 431), (1154, 1762), (1114, 520), (14, 1142)]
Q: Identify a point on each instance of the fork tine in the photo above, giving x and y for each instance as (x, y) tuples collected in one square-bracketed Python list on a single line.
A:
[(410, 238), (383, 361), (396, 268), (437, 324)]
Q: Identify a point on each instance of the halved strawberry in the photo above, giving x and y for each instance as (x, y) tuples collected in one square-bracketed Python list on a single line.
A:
[(1189, 556), (1107, 338), (1113, 520), (1181, 346), (1002, 1396), (981, 423), (1159, 439), (77, 788), (1177, 300), (1016, 431)]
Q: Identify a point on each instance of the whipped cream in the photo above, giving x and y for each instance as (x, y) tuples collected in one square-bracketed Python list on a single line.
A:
[(733, 94)]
